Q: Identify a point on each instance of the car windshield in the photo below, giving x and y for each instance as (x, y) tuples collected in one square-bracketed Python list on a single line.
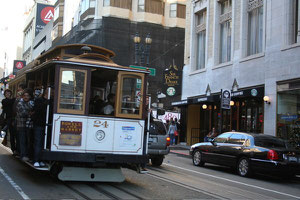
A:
[(157, 128), (269, 142)]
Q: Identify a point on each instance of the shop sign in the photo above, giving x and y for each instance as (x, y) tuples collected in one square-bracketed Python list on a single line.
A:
[(171, 91), (289, 117), (172, 80), (179, 103), (254, 92), (225, 99), (202, 99)]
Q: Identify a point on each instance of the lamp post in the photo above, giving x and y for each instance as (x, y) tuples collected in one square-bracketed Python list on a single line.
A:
[(142, 51)]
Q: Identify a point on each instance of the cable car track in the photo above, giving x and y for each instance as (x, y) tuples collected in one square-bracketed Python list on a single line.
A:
[(108, 190)]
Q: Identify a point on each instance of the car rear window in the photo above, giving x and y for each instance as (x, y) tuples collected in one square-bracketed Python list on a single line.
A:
[(157, 128), (269, 142)]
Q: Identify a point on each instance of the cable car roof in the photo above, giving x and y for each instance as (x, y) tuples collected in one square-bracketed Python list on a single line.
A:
[(78, 54)]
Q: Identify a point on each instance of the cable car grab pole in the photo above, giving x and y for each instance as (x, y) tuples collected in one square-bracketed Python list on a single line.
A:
[(47, 117)]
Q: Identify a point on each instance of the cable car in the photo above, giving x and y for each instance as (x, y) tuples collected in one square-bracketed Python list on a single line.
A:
[(83, 140)]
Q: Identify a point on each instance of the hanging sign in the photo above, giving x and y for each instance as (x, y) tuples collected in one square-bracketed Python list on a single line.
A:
[(225, 99), (44, 15), (172, 80)]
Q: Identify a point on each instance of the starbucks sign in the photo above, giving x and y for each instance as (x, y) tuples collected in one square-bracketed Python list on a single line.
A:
[(171, 91), (172, 80)]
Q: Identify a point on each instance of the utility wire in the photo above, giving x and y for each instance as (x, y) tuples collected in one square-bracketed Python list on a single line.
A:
[(176, 45)]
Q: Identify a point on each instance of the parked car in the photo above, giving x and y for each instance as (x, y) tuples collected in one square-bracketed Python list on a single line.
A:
[(158, 142), (248, 153)]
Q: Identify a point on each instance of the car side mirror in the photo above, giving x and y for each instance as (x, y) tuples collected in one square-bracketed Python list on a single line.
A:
[(213, 142)]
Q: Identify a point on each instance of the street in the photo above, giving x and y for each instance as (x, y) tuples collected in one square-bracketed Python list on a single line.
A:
[(177, 178)]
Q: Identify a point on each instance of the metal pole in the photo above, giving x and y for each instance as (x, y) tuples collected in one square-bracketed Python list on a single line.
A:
[(47, 117), (221, 112), (148, 124)]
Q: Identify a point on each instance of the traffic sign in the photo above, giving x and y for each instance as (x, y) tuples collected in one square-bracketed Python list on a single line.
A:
[(152, 70)]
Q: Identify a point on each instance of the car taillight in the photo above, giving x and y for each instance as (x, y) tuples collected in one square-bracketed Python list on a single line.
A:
[(272, 155), (168, 141)]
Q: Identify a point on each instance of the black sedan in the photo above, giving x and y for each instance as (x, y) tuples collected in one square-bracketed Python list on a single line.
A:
[(248, 153)]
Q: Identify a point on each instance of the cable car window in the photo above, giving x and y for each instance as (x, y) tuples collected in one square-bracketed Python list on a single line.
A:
[(130, 95), (131, 98), (72, 91)]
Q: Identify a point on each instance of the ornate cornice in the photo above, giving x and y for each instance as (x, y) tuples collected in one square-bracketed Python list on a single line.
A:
[(201, 27), (225, 17), (253, 4)]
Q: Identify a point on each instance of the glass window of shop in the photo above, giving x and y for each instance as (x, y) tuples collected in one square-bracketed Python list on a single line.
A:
[(288, 115), (251, 116)]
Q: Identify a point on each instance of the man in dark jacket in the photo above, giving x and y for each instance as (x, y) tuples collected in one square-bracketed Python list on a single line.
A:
[(39, 123), (7, 106)]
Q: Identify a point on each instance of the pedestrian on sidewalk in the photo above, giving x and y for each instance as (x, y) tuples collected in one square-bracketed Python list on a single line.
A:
[(211, 135), (177, 133), (171, 132)]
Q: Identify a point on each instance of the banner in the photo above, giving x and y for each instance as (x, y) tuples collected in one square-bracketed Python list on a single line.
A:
[(44, 15), (18, 64)]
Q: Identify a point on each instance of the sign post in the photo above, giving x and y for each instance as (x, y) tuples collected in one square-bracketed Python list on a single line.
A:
[(225, 104)]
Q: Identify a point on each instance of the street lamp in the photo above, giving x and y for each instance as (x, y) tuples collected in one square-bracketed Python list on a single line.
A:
[(142, 50)]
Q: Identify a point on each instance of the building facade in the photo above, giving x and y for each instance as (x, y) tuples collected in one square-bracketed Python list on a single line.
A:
[(251, 48), (41, 13), (113, 24)]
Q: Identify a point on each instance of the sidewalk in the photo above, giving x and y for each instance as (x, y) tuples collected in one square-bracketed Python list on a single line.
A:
[(180, 149)]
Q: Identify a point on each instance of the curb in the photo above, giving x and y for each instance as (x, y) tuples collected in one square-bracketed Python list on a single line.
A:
[(180, 153)]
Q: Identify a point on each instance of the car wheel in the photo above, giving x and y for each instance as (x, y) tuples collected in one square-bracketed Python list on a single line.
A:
[(197, 158), (157, 160), (243, 167)]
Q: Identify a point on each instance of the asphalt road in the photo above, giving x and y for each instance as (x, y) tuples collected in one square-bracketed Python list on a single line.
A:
[(177, 178)]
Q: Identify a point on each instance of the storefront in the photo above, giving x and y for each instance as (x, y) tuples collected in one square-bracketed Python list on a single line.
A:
[(246, 114), (181, 106), (288, 111)]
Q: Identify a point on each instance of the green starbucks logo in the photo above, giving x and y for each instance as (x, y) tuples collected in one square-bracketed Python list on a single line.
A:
[(171, 91), (254, 92)]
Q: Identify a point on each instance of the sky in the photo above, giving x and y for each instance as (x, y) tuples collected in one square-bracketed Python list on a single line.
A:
[(12, 21)]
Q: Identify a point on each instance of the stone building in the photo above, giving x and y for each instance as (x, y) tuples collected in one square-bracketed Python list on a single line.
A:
[(251, 48), (113, 24)]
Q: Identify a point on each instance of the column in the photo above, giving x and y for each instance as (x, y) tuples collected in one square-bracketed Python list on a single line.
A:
[(298, 11)]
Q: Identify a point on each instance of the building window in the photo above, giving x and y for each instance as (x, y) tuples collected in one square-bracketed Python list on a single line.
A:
[(288, 111), (118, 3), (294, 31), (151, 6), (106, 3), (173, 10), (177, 10), (225, 31), (56, 13), (255, 26), (54, 33), (86, 4), (141, 5), (201, 39)]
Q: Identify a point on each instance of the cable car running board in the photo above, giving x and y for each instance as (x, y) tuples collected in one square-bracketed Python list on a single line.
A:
[(91, 174)]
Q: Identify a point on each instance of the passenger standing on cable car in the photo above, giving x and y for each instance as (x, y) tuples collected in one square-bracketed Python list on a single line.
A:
[(20, 91), (39, 123), (7, 106), (23, 112)]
